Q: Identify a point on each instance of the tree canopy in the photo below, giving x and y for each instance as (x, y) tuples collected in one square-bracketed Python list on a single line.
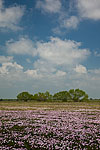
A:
[(42, 96), (76, 95), (63, 95), (25, 96)]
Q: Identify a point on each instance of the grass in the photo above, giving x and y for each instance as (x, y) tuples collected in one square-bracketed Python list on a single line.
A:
[(34, 105)]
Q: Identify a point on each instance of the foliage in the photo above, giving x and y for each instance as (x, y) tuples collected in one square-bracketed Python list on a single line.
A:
[(78, 95), (75, 95), (42, 96), (25, 96), (63, 95)]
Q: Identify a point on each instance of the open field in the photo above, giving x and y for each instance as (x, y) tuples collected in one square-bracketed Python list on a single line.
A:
[(31, 105), (49, 126)]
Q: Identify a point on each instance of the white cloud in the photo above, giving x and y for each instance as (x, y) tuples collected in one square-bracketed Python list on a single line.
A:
[(64, 18), (21, 47), (80, 69), (54, 55), (42, 74), (84, 9), (62, 52), (9, 68), (10, 17), (60, 73), (33, 73), (44, 67), (5, 59), (71, 22), (49, 6), (56, 51), (89, 9)]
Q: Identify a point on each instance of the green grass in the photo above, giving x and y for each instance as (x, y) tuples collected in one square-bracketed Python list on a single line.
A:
[(33, 105)]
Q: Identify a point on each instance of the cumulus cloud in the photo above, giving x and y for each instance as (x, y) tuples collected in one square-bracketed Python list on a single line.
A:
[(9, 68), (56, 51), (83, 9), (44, 66), (49, 6), (62, 52), (33, 74), (21, 47), (80, 69), (57, 57), (10, 17), (71, 22), (89, 9), (46, 69), (60, 73), (50, 55)]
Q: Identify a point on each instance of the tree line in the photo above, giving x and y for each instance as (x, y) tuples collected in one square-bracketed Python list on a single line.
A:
[(75, 95)]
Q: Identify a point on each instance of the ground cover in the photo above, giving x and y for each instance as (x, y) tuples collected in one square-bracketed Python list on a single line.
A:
[(34, 105), (50, 126)]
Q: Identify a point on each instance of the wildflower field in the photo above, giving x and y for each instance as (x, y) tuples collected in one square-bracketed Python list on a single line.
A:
[(50, 126)]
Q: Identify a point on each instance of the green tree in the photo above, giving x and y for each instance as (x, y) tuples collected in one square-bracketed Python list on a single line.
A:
[(42, 96), (78, 95), (35, 97), (39, 96), (63, 95), (48, 96), (25, 96)]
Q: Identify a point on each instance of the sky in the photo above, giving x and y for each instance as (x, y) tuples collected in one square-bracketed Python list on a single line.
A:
[(49, 45)]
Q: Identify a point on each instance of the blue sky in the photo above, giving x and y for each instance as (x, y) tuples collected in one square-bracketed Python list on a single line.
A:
[(49, 45)]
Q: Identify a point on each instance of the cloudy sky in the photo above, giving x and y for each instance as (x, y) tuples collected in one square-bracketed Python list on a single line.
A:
[(49, 45)]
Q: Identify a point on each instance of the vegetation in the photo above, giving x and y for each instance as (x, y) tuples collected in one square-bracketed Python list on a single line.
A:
[(64, 96), (42, 96), (50, 130), (25, 96), (73, 95), (45, 105), (76, 95)]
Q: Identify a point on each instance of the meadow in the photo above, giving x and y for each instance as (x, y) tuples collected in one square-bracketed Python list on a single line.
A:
[(49, 125)]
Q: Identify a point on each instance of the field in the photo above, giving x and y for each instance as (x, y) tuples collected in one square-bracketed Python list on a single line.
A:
[(49, 125)]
